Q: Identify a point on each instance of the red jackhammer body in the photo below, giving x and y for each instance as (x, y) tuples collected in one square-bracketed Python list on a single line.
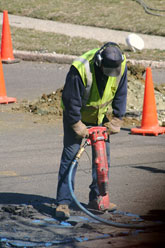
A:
[(97, 137)]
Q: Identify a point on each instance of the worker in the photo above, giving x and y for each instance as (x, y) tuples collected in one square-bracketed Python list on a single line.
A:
[(96, 80)]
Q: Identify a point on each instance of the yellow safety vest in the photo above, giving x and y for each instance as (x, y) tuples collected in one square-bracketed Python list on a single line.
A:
[(94, 108)]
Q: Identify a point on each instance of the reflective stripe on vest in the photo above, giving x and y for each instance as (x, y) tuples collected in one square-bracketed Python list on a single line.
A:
[(89, 79)]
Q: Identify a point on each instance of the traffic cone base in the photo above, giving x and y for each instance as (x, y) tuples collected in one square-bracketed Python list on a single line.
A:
[(149, 124), (6, 100), (10, 61), (155, 131)]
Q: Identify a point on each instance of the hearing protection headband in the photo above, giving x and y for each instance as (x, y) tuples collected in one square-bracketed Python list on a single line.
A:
[(98, 58)]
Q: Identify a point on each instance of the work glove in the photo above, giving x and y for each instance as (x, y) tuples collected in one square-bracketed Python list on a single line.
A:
[(80, 129), (113, 126)]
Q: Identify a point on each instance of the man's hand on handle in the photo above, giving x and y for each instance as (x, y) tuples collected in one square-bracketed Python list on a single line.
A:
[(113, 126), (80, 129)]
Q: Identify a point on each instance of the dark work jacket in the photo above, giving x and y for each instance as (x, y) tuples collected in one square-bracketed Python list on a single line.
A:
[(74, 90)]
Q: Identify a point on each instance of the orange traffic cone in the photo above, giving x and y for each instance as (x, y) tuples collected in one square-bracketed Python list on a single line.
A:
[(6, 42), (3, 97), (149, 124)]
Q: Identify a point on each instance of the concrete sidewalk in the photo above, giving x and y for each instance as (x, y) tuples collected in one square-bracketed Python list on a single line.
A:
[(72, 30)]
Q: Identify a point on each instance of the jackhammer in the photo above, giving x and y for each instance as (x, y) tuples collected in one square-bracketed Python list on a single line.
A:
[(97, 137)]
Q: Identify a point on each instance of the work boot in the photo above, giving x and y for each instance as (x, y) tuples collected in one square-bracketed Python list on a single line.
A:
[(62, 211), (94, 205)]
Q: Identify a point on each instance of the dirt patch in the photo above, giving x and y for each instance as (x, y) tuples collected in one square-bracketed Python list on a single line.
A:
[(48, 104), (136, 70)]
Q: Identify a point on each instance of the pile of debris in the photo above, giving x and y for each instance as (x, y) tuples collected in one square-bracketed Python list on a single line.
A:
[(48, 104)]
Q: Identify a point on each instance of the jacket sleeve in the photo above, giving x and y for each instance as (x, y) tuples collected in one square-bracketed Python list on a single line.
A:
[(120, 99), (72, 96)]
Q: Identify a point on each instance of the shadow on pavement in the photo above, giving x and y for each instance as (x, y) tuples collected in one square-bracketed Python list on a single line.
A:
[(40, 203), (150, 169)]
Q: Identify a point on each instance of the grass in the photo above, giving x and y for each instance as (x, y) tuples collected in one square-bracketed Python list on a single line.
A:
[(125, 15), (32, 40), (114, 14)]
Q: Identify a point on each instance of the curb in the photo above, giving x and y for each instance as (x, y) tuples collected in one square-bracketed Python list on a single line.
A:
[(68, 59), (44, 57)]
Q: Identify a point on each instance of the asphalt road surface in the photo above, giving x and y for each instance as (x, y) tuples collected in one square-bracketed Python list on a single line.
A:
[(30, 150)]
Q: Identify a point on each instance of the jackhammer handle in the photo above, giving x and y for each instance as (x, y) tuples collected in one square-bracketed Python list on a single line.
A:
[(97, 133)]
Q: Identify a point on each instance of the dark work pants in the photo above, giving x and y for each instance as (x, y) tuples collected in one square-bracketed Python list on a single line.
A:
[(70, 149)]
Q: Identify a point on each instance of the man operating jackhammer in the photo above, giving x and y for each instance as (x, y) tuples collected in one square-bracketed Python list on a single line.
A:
[(95, 80)]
